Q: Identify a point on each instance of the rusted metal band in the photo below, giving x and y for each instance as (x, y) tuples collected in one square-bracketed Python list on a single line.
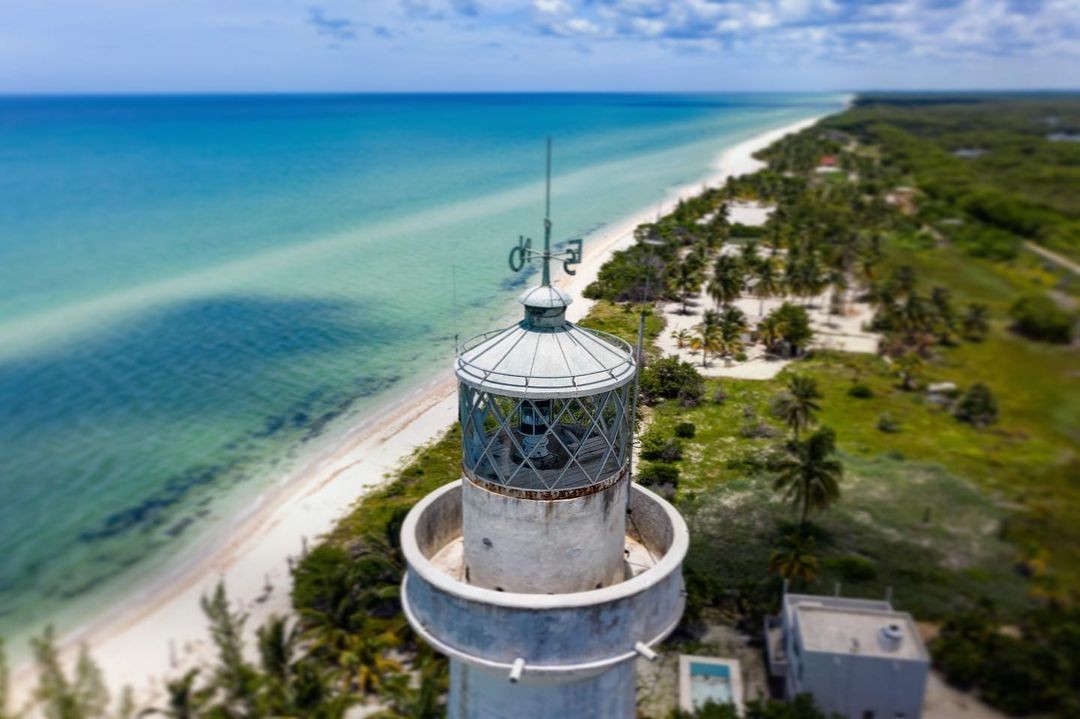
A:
[(544, 494)]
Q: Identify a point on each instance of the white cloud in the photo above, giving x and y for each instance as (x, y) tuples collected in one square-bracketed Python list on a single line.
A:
[(836, 29), (581, 26), (552, 7)]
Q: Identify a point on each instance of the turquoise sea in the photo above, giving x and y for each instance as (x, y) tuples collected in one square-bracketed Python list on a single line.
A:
[(197, 290)]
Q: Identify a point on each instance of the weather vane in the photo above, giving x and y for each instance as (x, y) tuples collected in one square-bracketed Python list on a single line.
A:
[(524, 252)]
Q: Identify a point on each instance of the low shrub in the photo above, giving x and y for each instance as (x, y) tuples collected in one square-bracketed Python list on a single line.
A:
[(977, 407), (671, 451), (655, 446), (685, 430), (655, 474), (758, 430), (652, 442), (1039, 318), (860, 391), (889, 424), (670, 378), (852, 568)]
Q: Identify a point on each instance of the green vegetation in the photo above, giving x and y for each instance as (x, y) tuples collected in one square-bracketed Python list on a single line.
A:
[(786, 330), (82, 694), (1039, 317), (794, 559), (801, 707), (948, 498), (798, 404), (1019, 183), (977, 406), (904, 520), (668, 259), (809, 474), (1031, 670), (670, 378)]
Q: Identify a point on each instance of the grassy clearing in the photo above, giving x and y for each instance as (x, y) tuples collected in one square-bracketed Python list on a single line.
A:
[(970, 279), (623, 320), (930, 536), (915, 525), (1031, 455)]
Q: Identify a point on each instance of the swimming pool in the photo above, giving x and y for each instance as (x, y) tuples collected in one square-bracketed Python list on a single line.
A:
[(709, 682)]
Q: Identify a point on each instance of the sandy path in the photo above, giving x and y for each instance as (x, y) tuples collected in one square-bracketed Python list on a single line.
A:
[(160, 630), (1054, 257)]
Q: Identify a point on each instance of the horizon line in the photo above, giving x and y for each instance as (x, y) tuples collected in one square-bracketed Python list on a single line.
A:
[(345, 93)]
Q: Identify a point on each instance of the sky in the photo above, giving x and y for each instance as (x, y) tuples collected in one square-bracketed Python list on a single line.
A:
[(108, 46)]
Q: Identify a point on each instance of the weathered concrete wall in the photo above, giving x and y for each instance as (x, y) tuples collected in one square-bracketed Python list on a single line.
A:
[(577, 633), (853, 685), (575, 650), (481, 694), (552, 546)]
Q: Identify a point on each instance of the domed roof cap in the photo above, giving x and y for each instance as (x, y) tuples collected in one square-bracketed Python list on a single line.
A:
[(545, 297), (544, 356)]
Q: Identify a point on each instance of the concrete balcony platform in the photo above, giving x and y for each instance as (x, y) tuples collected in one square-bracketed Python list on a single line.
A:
[(539, 637)]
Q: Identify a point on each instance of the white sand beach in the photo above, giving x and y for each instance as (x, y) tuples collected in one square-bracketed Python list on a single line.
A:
[(159, 631)]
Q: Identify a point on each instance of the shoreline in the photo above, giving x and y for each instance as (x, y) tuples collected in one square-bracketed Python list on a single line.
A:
[(160, 630)]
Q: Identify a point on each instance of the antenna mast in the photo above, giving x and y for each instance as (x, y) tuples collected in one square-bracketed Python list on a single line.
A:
[(547, 219), (523, 253)]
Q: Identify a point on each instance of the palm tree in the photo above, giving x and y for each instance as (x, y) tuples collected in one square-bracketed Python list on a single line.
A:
[(686, 281), (682, 338), (185, 700), (867, 269), (708, 339), (233, 675), (809, 280), (748, 255), (791, 280), (727, 281), (718, 228), (368, 655), (423, 701), (770, 331), (83, 694), (796, 405), (794, 559), (905, 279), (277, 643), (838, 279), (976, 322), (710, 318), (768, 283), (732, 325), (809, 474), (910, 367)]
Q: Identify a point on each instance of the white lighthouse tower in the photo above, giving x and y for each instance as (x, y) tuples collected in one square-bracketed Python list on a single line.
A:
[(543, 573)]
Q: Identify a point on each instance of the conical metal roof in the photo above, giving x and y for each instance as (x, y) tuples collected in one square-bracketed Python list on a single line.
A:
[(545, 356)]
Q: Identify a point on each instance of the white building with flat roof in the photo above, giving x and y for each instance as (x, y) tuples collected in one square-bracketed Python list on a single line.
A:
[(858, 658)]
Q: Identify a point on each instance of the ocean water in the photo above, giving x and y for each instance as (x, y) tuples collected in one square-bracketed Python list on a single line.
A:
[(196, 291)]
